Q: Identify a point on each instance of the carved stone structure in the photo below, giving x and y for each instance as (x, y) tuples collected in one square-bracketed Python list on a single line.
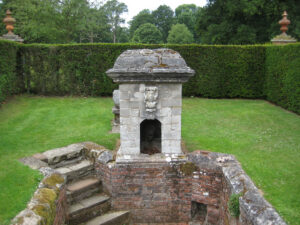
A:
[(150, 104), (9, 21), (283, 38), (116, 112)]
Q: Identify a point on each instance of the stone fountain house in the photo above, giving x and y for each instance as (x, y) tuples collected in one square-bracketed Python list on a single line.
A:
[(150, 103)]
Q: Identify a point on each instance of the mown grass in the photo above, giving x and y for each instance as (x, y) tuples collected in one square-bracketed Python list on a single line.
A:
[(263, 137)]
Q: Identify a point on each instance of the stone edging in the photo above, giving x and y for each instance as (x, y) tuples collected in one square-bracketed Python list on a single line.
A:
[(48, 204), (254, 208), (42, 208)]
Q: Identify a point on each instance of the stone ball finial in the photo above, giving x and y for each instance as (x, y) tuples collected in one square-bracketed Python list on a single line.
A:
[(284, 22), (9, 21)]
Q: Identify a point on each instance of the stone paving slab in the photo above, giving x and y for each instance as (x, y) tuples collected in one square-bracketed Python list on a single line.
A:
[(109, 218), (88, 202), (57, 155), (33, 162), (82, 184)]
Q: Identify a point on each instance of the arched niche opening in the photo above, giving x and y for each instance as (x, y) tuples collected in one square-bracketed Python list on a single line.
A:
[(150, 139)]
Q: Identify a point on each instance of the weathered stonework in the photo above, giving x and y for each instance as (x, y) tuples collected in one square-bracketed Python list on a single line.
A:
[(193, 191), (163, 193), (150, 90), (116, 112)]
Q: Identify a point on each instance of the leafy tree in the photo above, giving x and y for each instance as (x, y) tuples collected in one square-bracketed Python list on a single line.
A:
[(33, 23), (245, 22), (142, 17), (186, 14), (163, 19), (180, 34), (123, 34), (147, 34), (73, 13), (114, 10), (94, 27)]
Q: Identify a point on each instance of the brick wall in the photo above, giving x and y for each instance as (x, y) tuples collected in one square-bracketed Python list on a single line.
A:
[(61, 208), (161, 193)]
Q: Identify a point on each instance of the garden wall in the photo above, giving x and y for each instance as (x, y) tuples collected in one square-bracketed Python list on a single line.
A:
[(256, 71)]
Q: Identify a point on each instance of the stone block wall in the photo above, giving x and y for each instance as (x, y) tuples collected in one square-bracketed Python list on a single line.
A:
[(133, 112)]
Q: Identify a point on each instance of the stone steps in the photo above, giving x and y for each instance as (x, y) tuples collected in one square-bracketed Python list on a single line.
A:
[(111, 218), (84, 188), (76, 171), (88, 208)]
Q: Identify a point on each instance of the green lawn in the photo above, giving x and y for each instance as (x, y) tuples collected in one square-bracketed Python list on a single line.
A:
[(263, 137)]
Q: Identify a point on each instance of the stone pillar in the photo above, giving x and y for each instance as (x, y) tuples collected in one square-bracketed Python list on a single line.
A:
[(283, 38)]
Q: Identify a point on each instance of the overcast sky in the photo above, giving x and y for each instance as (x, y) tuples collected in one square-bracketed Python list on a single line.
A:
[(135, 6)]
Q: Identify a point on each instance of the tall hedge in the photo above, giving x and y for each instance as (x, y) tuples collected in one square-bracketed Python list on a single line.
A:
[(282, 85), (221, 71), (9, 80), (77, 69), (255, 71)]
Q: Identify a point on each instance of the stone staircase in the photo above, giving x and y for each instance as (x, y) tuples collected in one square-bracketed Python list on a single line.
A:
[(88, 205)]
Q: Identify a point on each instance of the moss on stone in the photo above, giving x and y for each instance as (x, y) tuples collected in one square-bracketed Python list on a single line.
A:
[(53, 180), (43, 210), (46, 206), (20, 220), (188, 168)]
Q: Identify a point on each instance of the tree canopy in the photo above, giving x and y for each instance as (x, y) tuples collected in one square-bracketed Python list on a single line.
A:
[(180, 34), (163, 20), (245, 22), (148, 34), (142, 17), (219, 22)]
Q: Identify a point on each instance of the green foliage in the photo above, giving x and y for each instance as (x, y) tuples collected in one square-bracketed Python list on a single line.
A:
[(10, 83), (245, 22), (163, 20), (224, 71), (114, 10), (71, 20), (186, 14), (148, 34), (141, 18), (180, 34), (282, 84), (234, 205), (256, 71)]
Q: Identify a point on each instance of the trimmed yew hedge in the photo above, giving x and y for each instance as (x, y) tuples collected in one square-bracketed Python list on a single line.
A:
[(282, 85), (253, 71), (221, 71), (9, 80)]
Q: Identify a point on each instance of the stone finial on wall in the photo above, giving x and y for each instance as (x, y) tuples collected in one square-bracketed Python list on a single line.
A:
[(283, 38), (9, 21)]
